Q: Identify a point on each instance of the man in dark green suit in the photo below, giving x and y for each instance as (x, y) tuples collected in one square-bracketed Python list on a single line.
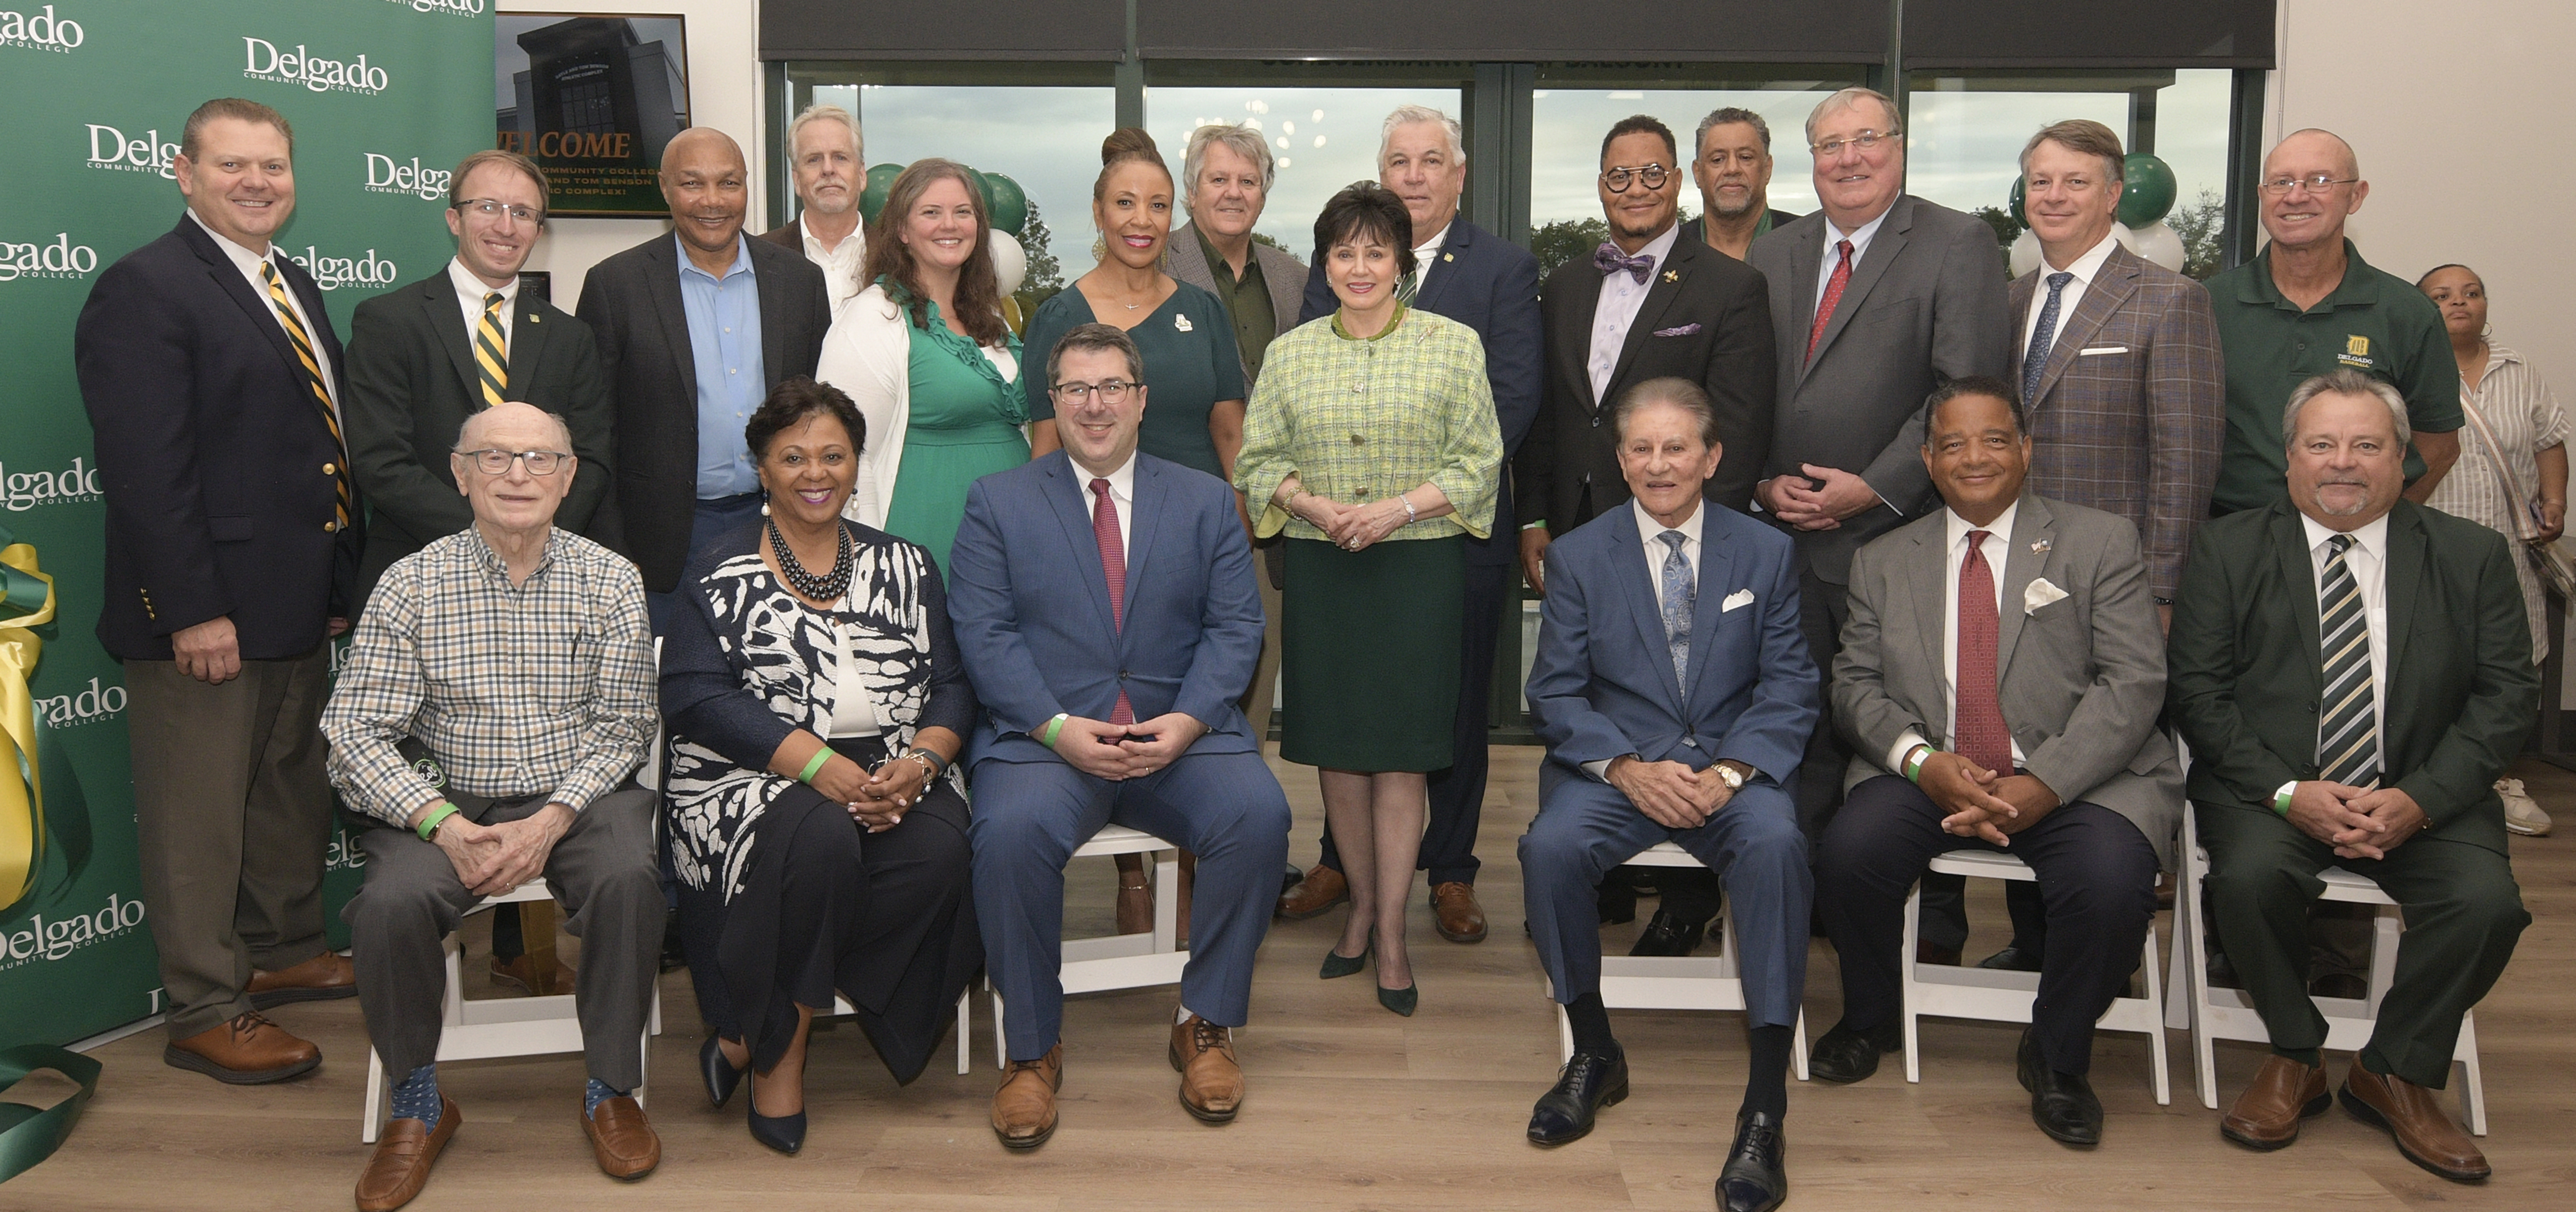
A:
[(425, 356), (2353, 672)]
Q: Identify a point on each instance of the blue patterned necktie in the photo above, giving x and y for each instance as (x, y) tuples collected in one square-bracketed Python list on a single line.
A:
[(1680, 593), (2348, 729), (1609, 260), (2042, 336)]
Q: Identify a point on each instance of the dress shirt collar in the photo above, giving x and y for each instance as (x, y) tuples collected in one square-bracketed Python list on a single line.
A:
[(814, 243), (1659, 249), (2085, 266), (248, 259), (1648, 527), (1423, 252), (741, 257), (2001, 528), (1859, 238), (471, 289), (2371, 537), (1122, 479), (497, 569)]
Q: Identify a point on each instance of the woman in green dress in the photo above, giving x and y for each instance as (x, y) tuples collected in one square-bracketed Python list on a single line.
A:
[(925, 355), (1371, 441)]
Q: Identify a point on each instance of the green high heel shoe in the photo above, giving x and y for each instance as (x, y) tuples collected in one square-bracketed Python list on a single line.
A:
[(1339, 965)]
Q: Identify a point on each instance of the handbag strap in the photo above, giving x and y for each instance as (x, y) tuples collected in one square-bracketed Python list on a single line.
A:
[(2524, 527)]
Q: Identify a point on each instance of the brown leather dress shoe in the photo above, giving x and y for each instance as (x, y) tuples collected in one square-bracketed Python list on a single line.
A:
[(521, 973), (1454, 907), (399, 1167), (1024, 1108), (622, 1139), (1322, 889), (1135, 904), (2282, 1093), (247, 1051), (2426, 1134), (1211, 1081), (320, 978)]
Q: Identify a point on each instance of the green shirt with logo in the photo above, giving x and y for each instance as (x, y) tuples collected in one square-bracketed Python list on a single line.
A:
[(2373, 322)]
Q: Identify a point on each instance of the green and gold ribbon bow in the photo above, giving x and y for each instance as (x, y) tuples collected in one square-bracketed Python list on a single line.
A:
[(26, 602)]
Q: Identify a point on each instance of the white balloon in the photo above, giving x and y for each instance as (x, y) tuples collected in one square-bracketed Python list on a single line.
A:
[(2025, 253), (1010, 261), (2159, 243)]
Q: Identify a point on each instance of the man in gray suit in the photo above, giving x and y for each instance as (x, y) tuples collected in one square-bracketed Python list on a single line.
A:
[(1876, 299), (2000, 675)]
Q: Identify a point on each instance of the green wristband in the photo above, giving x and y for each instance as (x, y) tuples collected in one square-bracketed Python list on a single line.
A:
[(429, 824), (1053, 727), (1914, 763), (2281, 798), (821, 756)]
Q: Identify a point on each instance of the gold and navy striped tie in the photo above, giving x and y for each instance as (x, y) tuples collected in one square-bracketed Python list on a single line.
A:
[(2348, 728), (491, 353), (303, 343)]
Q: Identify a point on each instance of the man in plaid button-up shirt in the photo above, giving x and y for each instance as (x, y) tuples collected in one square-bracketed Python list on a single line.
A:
[(517, 657)]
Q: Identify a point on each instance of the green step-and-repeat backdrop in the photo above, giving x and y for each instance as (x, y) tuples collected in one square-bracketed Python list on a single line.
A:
[(385, 97)]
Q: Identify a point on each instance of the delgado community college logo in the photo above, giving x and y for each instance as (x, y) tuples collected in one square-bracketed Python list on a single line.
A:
[(332, 273), (265, 61), (52, 938), (58, 258), (109, 148), (386, 175), (453, 8), (41, 30), (92, 704), (21, 491)]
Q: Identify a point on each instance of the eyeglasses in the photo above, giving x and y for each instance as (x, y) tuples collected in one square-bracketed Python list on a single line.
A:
[(1619, 177), (2317, 183), (1865, 142), (497, 462), (1112, 391), (491, 208)]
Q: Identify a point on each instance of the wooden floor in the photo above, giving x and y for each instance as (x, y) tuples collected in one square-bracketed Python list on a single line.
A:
[(1351, 1107)]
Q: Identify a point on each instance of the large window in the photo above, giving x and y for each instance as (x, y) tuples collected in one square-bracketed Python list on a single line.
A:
[(1323, 137)]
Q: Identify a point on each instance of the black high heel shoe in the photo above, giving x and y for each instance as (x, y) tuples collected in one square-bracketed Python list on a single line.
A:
[(1337, 964), (720, 1074), (785, 1133)]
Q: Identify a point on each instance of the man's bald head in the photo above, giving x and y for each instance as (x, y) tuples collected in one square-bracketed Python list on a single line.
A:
[(511, 419), (717, 147), (708, 188), (2313, 139)]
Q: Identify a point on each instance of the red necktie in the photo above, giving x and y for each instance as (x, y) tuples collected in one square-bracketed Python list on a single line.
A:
[(1982, 737), (1833, 295), (1113, 561)]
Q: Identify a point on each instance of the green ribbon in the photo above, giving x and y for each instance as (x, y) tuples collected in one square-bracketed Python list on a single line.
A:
[(27, 1135)]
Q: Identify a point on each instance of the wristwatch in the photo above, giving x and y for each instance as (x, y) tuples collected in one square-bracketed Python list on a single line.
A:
[(1729, 775)]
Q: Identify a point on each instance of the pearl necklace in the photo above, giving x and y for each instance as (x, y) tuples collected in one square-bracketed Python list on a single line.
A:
[(826, 588)]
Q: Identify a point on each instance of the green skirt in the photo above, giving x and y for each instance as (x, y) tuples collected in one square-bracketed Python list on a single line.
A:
[(1368, 662)]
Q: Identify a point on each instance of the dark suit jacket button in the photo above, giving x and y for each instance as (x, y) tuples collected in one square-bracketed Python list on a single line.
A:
[(1596, 420), (1691, 741)]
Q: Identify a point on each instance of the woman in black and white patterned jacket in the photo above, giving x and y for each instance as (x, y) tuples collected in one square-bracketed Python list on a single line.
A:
[(816, 706)]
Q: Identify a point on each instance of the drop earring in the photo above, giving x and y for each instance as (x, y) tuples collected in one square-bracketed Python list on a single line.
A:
[(764, 504)]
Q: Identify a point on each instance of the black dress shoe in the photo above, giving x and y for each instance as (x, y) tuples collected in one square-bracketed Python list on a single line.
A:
[(2062, 1104), (1668, 935), (785, 1133), (1617, 901), (1844, 1055), (720, 1073), (2339, 984), (1587, 1083), (2011, 959), (1754, 1180)]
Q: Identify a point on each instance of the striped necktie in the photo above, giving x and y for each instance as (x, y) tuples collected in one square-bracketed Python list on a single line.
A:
[(1408, 286), (312, 362), (492, 353), (2348, 731)]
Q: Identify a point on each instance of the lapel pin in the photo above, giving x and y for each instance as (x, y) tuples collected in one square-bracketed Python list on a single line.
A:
[(2039, 547), (534, 317), (1448, 256), (1672, 275), (1180, 322)]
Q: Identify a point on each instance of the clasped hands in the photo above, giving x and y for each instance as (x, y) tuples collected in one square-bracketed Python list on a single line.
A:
[(1839, 494), (1981, 803), (1126, 751), (876, 799), (2359, 824), (493, 859), (1351, 527), (1671, 794)]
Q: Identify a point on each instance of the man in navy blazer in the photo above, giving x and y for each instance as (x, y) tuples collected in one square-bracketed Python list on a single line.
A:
[(1674, 692), (1489, 284), (1105, 607)]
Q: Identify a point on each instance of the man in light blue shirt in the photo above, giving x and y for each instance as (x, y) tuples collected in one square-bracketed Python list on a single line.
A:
[(724, 340)]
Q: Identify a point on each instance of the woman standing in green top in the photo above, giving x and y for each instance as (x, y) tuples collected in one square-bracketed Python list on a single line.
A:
[(1371, 441), (925, 355), (1182, 331)]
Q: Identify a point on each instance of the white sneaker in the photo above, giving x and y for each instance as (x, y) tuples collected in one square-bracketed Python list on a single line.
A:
[(2522, 814)]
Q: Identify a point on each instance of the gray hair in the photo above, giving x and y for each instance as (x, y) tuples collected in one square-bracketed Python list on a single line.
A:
[(1729, 116), (1844, 100), (828, 113), (2345, 382), (1407, 115), (467, 439), (1245, 141), (1671, 391)]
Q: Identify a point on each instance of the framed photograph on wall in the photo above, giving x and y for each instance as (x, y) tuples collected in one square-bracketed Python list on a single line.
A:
[(593, 99)]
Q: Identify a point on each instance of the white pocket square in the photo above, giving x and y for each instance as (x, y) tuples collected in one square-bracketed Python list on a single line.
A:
[(1736, 601), (2099, 350), (2039, 593)]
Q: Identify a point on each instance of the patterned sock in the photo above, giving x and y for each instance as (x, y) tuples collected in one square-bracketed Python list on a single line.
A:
[(596, 1093), (416, 1097)]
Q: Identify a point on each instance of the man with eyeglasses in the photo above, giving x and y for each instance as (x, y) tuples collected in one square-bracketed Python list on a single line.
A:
[(497, 697), (1877, 299)]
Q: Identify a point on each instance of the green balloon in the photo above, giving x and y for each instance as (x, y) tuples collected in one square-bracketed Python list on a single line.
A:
[(984, 189), (2014, 204), (1010, 204), (873, 198), (2147, 190)]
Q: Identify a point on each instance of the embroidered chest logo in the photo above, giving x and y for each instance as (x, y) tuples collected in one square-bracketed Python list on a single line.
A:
[(2356, 352)]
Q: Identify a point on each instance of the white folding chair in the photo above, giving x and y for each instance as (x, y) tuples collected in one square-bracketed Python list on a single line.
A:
[(1993, 995), (1666, 982), (2214, 1014), (1117, 961)]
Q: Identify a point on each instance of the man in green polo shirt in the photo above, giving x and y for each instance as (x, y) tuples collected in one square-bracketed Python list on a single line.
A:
[(2307, 305)]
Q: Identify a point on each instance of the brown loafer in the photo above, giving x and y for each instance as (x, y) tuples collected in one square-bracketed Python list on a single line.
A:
[(2267, 1114), (1135, 904), (1024, 1106), (2426, 1134), (521, 973), (399, 1167), (1322, 889), (320, 978), (1460, 918), (247, 1051), (622, 1139), (1211, 1081)]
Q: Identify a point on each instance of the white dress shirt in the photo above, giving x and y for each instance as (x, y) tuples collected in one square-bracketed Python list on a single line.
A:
[(2367, 560), (469, 299), (1651, 548), (1997, 549), (1122, 492), (840, 263), (248, 263), (1615, 312), (1833, 256), (2084, 268), (1425, 254)]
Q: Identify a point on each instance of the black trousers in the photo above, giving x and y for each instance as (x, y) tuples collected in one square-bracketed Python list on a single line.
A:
[(2097, 877)]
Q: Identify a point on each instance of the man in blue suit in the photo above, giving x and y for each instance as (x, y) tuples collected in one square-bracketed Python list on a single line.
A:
[(1489, 284), (1673, 689), (1109, 696)]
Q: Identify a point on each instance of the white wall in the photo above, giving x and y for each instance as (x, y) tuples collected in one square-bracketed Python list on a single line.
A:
[(724, 92)]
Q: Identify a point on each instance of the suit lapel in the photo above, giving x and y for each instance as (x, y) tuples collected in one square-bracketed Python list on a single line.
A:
[(774, 306), (1927, 584), (1436, 275), (528, 332), (2017, 296), (1645, 604), (1660, 293), (1145, 516), (1874, 260), (664, 288), (1575, 334), (1071, 499), (2034, 543), (2407, 553), (2110, 288), (2298, 582), (1716, 573), (438, 303), (228, 278)]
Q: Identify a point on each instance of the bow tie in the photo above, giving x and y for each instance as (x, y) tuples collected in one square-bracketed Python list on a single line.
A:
[(1608, 260)]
